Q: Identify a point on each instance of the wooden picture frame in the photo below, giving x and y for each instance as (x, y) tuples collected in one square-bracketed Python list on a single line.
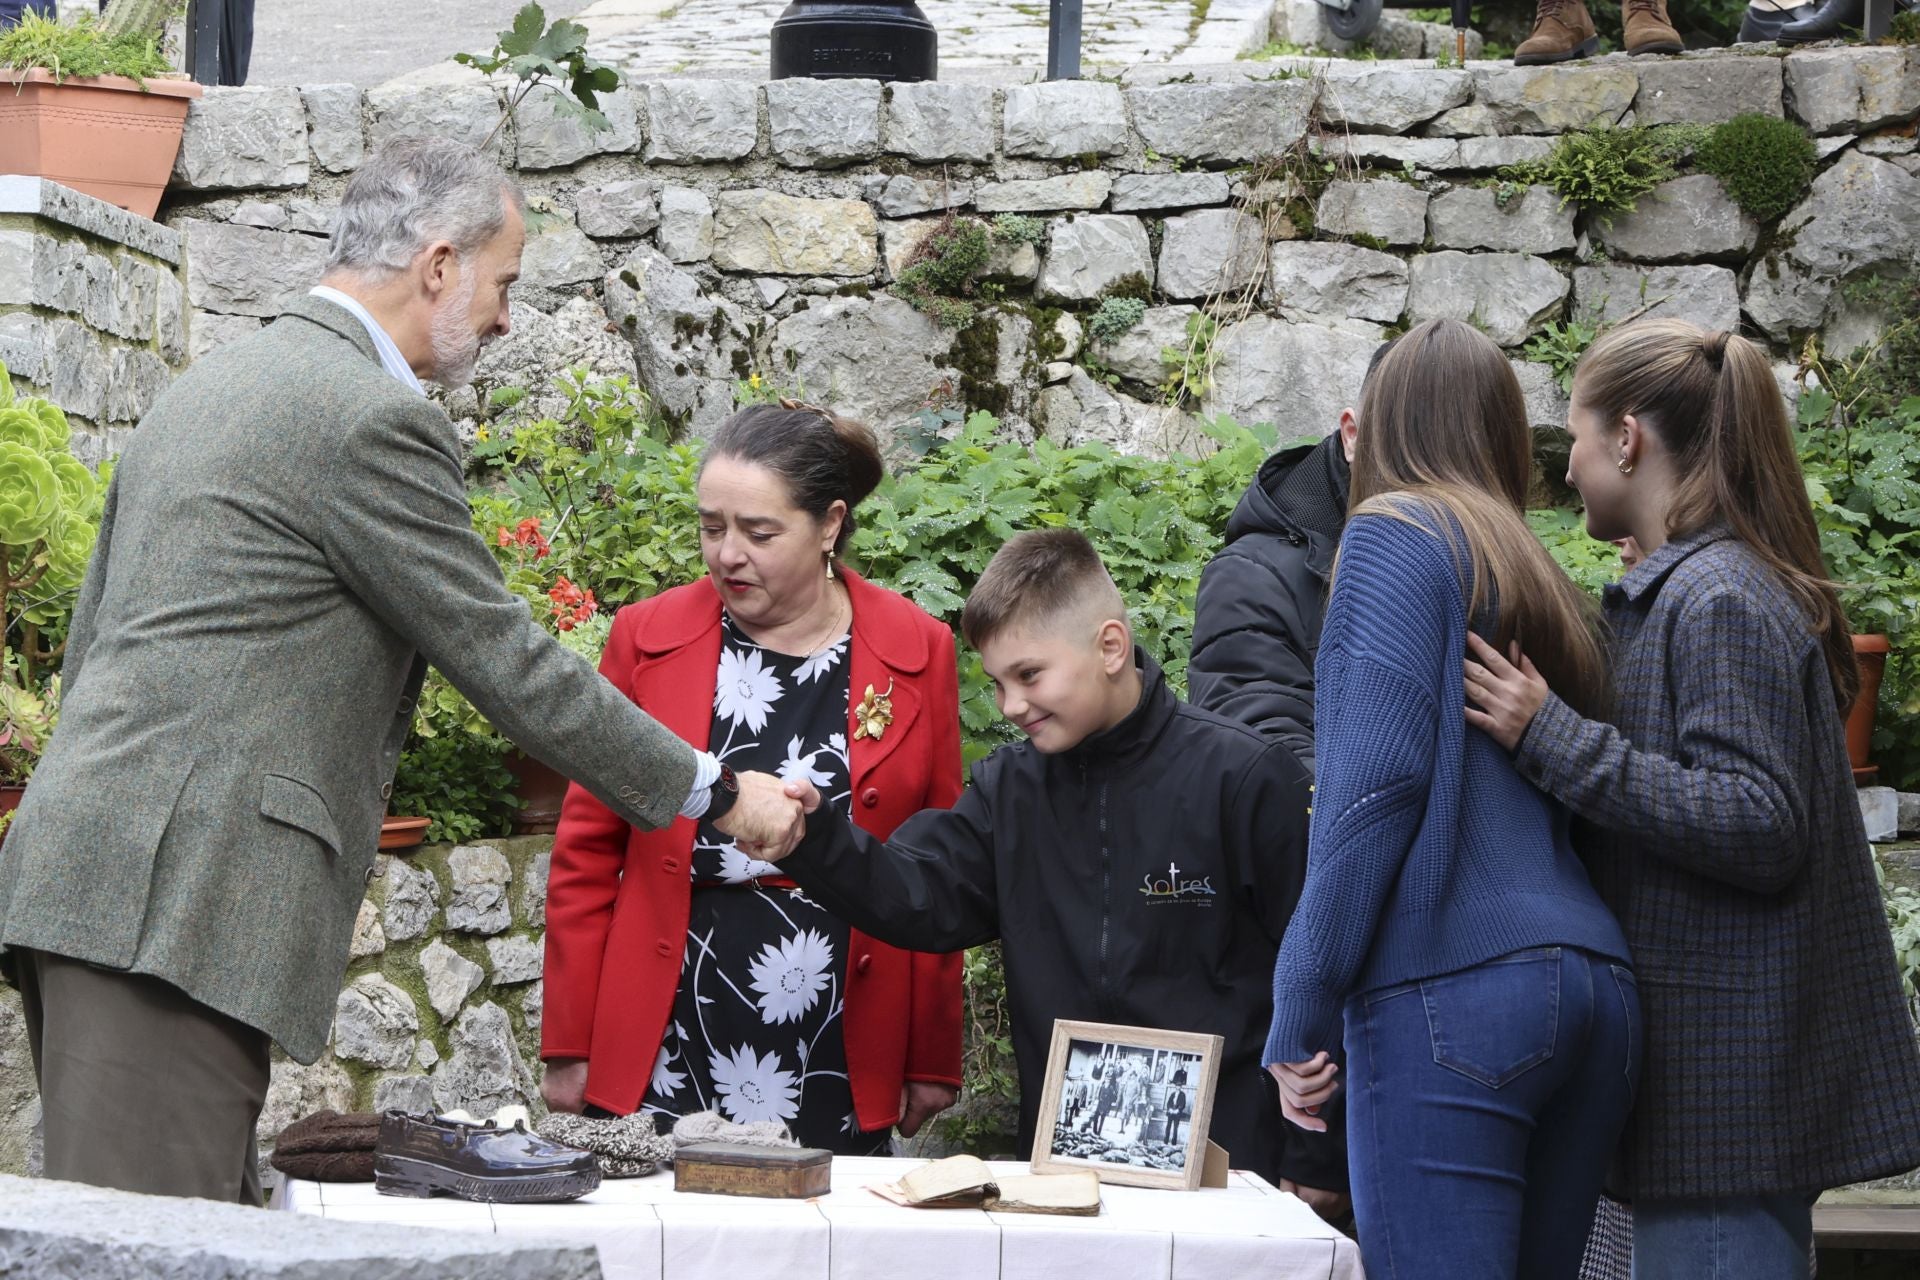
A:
[(1111, 1089)]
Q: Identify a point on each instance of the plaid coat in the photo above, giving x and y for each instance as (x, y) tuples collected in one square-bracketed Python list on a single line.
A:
[(1779, 1055)]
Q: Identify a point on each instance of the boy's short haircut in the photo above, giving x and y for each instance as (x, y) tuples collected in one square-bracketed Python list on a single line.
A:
[(1036, 577)]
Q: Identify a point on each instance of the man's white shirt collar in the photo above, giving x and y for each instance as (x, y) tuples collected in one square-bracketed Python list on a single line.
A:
[(390, 358)]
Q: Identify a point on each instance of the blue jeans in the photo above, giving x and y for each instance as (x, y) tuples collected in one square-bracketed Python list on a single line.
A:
[(1735, 1238), (1484, 1106)]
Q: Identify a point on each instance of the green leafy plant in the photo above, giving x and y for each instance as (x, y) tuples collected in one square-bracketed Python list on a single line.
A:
[(1905, 28), (1020, 228), (535, 53), (1902, 906), (1113, 317), (1190, 367), (81, 48), (1764, 163), (1560, 345), (938, 278), (1606, 170)]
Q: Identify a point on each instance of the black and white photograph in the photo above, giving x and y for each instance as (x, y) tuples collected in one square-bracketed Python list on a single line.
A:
[(1131, 1103)]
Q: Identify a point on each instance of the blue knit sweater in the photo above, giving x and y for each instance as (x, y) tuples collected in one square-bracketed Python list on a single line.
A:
[(1429, 853)]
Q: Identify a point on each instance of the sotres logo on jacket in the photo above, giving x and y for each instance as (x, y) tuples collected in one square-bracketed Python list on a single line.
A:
[(1173, 888)]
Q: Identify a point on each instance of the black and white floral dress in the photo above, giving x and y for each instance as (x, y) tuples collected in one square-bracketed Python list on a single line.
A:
[(756, 1028)]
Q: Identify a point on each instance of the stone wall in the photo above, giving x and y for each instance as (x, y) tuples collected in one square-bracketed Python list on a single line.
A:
[(92, 313), (724, 228)]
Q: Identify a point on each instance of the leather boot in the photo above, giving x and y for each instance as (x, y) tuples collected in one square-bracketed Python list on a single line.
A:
[(1824, 22), (1648, 30), (1561, 30), (1762, 23)]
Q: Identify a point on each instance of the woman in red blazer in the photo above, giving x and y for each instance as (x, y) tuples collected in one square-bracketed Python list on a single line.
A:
[(682, 974)]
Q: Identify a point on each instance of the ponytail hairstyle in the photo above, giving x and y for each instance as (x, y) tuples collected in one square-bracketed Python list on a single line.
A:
[(1711, 400), (1444, 444), (823, 457)]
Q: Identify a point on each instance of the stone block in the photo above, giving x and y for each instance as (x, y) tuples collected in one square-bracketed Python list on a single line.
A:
[(931, 122), (411, 1094), (1211, 252), (558, 255), (1682, 220), (1062, 118), (245, 271), (18, 249), (514, 960), (1082, 410), (686, 225), (240, 138), (548, 136), (450, 977), (623, 209), (899, 196), (1540, 388), (368, 938), (1084, 190), (1135, 354), (466, 113), (1506, 295), (1089, 254), (1498, 153), (478, 903), (311, 216), (170, 317), (899, 241), (1384, 209), (1704, 295), (767, 233), (1296, 376), (1547, 99), (533, 890), (260, 213), (687, 346), (1782, 297), (1234, 123), (1381, 148), (375, 1022), (134, 291), (1337, 280), (1908, 808), (485, 1070), (1137, 191), (822, 123), (67, 1231), (23, 346), (1861, 212), (1853, 89), (874, 358), (210, 330), (1880, 810), (1706, 88), (693, 120), (336, 132), (413, 896), (1390, 99), (135, 379), (1531, 221), (66, 207), (1015, 263), (297, 1091), (77, 368)]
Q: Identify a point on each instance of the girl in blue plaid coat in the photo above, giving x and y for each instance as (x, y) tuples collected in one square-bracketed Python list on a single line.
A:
[(1779, 1055)]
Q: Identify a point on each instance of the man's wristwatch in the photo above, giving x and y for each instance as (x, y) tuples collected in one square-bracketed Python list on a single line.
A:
[(720, 797)]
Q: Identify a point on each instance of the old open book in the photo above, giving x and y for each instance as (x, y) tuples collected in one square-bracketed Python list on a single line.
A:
[(965, 1182)]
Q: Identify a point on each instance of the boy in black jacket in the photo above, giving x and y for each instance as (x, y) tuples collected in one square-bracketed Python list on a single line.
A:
[(1137, 857)]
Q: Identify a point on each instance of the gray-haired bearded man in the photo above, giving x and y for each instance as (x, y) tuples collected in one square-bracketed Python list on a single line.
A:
[(286, 546)]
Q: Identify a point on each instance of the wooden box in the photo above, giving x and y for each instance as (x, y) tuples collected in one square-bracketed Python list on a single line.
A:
[(736, 1169)]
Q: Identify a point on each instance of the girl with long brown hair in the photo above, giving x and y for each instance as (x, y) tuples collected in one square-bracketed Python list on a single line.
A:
[(1780, 1060), (1489, 1011)]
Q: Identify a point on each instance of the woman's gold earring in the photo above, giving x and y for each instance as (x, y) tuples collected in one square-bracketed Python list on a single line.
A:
[(1626, 468), (829, 556)]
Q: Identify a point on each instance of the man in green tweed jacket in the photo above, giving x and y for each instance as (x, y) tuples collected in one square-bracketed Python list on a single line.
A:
[(286, 546)]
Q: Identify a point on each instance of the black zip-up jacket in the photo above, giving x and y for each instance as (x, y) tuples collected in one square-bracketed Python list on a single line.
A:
[(1143, 878), (1256, 624)]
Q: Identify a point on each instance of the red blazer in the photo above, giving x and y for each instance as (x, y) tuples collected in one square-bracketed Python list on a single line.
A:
[(618, 898)]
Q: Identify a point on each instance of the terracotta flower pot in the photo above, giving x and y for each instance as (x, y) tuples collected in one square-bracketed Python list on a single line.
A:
[(9, 801), (402, 833), (1871, 652), (102, 135), (540, 790)]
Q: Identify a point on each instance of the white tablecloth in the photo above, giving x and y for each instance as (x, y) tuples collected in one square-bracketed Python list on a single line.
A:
[(647, 1231)]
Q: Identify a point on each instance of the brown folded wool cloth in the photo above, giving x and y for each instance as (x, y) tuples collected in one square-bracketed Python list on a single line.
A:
[(626, 1146), (328, 1146)]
